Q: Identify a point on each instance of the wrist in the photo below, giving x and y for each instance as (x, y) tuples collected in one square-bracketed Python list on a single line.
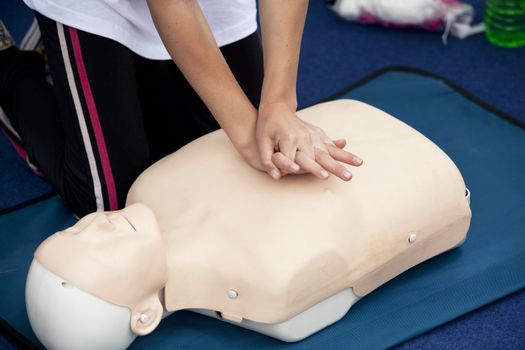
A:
[(290, 102), (242, 132), (267, 107), (277, 92)]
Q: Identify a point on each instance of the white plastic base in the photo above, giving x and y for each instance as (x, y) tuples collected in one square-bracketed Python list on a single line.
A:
[(65, 317), (302, 325)]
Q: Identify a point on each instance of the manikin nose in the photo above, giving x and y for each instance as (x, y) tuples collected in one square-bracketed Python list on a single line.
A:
[(120, 221)]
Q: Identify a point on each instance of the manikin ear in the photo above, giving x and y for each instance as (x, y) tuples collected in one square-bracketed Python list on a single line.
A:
[(146, 317)]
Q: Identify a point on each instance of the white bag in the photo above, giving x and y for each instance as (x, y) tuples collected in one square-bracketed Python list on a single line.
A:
[(452, 16)]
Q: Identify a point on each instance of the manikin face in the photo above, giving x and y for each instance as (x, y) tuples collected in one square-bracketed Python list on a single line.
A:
[(101, 223), (96, 284)]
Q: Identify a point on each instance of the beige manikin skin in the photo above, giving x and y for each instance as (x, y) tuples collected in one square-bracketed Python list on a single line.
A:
[(116, 256), (282, 246)]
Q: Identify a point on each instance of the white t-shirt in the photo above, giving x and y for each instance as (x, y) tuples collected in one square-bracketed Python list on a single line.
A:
[(129, 21)]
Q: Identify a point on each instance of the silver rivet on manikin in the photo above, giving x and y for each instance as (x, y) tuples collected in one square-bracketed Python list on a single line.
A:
[(232, 294), (412, 238)]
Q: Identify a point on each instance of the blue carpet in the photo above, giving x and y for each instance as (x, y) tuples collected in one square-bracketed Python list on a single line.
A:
[(490, 264), (17, 17), (499, 325), (336, 53)]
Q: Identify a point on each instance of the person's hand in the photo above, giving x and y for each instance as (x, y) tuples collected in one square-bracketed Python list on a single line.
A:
[(289, 145), (250, 153)]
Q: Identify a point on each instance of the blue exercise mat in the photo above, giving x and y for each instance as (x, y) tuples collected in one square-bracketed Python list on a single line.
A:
[(489, 151)]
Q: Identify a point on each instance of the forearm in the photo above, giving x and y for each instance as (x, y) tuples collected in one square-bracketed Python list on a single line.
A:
[(282, 23), (191, 44), (288, 144)]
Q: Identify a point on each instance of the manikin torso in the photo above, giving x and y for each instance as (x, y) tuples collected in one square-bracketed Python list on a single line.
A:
[(253, 248), (286, 245)]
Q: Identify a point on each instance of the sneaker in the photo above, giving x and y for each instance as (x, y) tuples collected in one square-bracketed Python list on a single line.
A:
[(6, 127), (16, 141), (6, 40), (32, 41)]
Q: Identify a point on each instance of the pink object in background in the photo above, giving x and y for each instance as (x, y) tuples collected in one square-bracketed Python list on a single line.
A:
[(451, 16)]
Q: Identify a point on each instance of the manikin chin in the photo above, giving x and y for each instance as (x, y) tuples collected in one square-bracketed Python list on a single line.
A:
[(203, 231)]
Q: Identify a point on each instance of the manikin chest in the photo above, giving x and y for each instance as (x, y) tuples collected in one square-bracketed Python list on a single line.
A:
[(265, 252)]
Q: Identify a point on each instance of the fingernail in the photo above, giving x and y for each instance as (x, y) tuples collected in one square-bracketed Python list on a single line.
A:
[(358, 160), (347, 175), (295, 167), (324, 174), (274, 173)]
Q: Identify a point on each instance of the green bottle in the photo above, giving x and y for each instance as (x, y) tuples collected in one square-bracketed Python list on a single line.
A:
[(505, 22)]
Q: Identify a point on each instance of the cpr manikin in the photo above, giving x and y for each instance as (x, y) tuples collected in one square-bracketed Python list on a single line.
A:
[(204, 231)]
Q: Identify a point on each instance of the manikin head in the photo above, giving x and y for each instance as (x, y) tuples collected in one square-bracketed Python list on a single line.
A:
[(97, 284)]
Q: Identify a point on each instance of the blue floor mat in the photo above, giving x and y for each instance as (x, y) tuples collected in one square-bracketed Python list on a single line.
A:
[(489, 151)]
